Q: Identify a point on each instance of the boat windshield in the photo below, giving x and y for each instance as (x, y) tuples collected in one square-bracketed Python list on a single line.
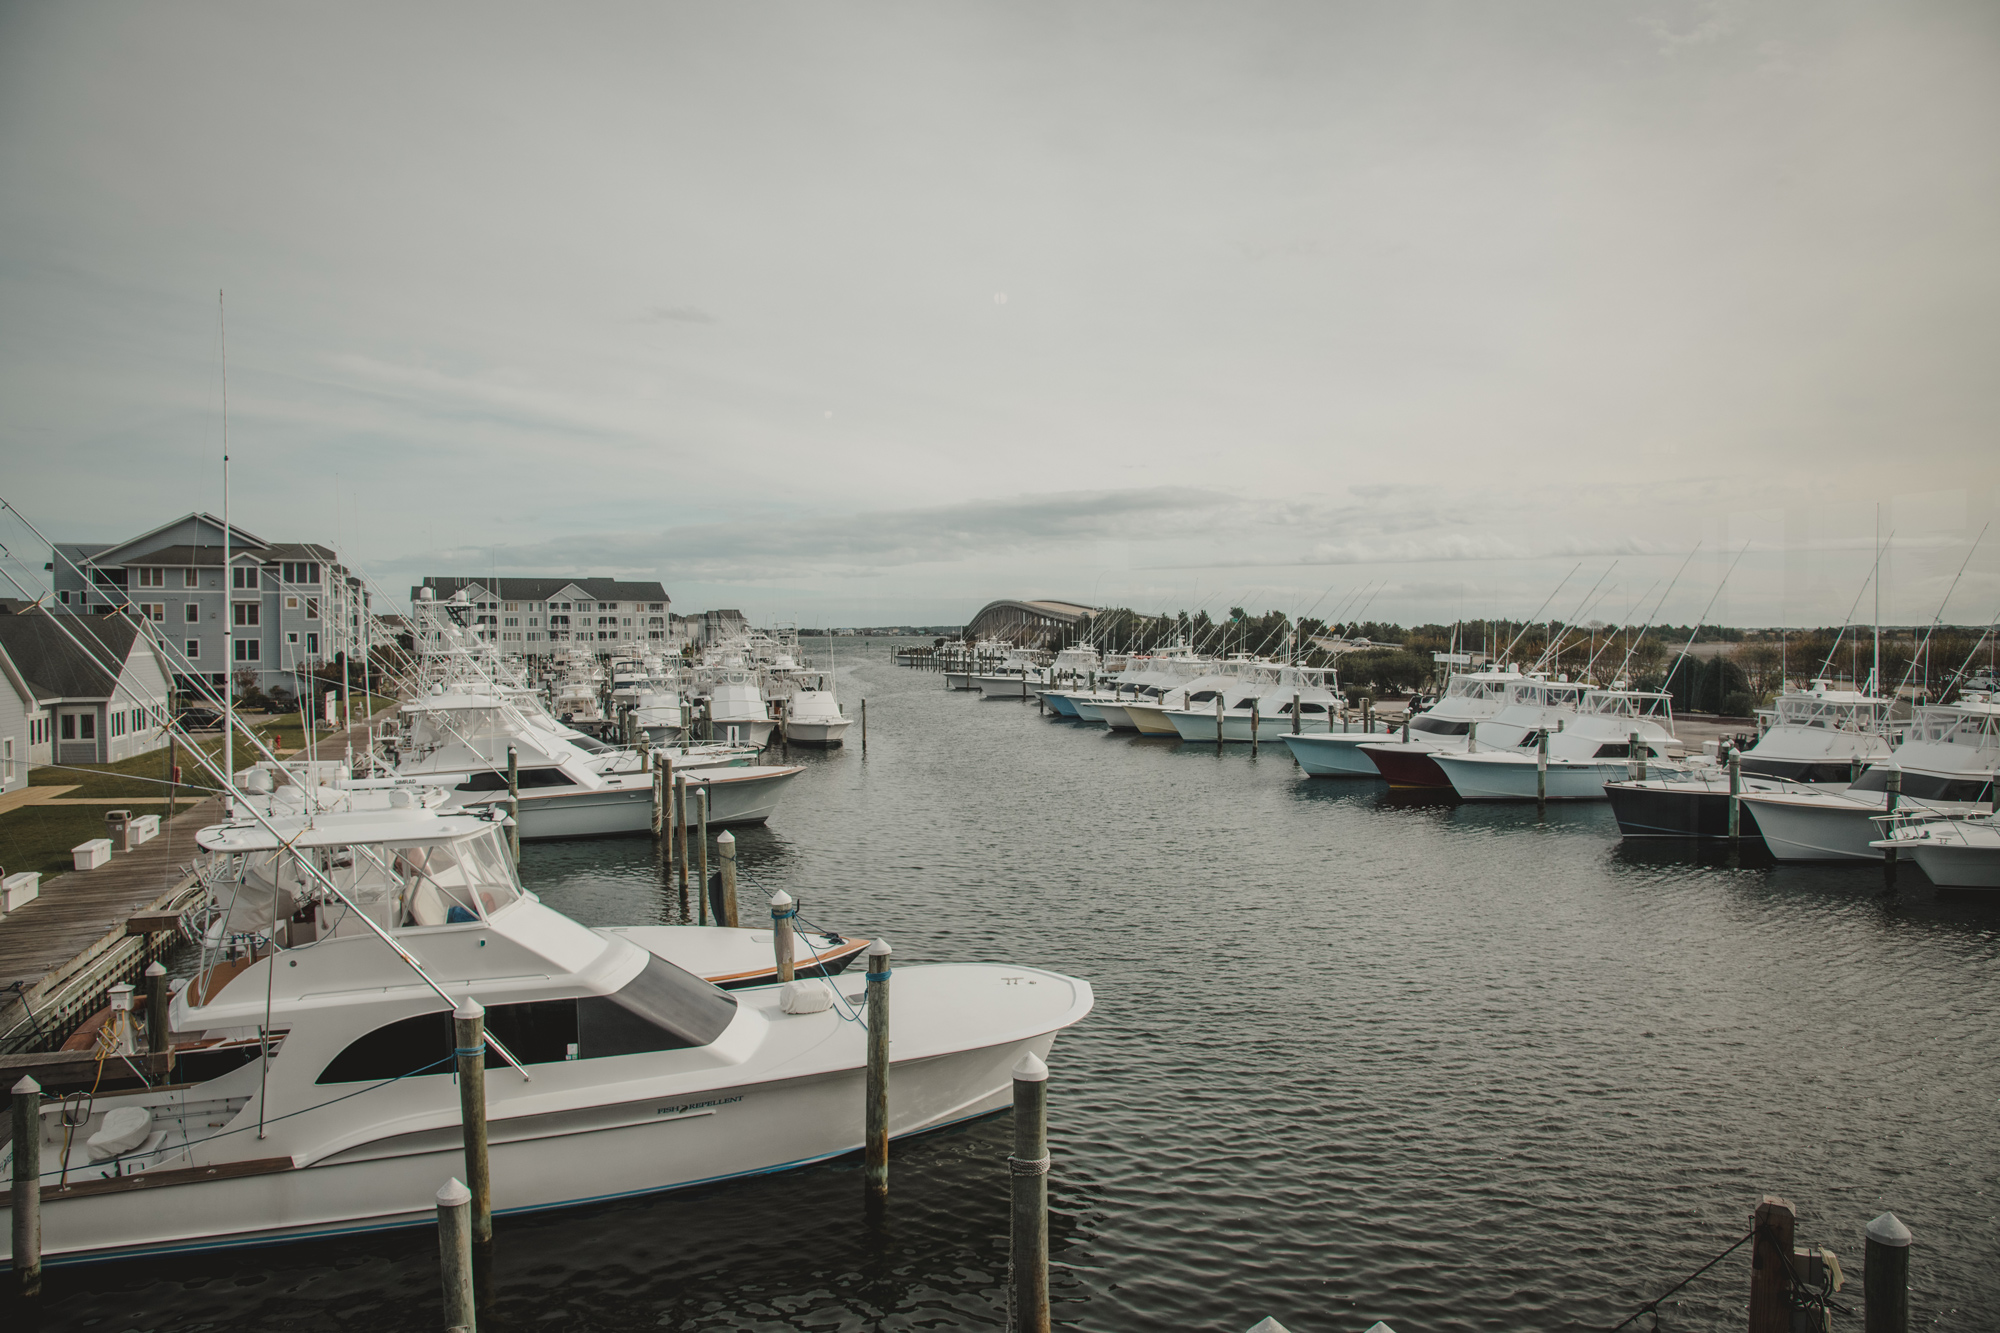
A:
[(1806, 711), (444, 882)]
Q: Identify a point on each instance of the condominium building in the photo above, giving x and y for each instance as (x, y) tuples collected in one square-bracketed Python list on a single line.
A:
[(291, 606), (532, 616)]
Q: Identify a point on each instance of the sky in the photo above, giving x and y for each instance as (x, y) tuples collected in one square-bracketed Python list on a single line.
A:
[(871, 313)]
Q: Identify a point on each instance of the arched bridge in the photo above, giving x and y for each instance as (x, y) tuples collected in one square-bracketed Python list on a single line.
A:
[(1026, 622)]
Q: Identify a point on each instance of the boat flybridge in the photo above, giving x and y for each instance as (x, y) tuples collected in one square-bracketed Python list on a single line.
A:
[(1947, 760), (1262, 704), (1529, 705), (1470, 697), (340, 944), (1609, 732), (812, 714), (1819, 738), (565, 791)]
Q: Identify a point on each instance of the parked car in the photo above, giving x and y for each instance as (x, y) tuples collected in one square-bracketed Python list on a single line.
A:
[(198, 719)]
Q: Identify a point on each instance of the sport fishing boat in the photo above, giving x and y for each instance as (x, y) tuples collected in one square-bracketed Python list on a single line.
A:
[(1610, 730), (812, 714), (564, 791), (1500, 708), (1954, 851), (736, 709), (1469, 696), (1947, 761), (1820, 738), (1261, 707), (342, 944)]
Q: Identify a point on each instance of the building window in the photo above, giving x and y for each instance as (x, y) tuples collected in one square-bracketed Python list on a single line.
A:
[(152, 578), (312, 608), (312, 645), (249, 650), (190, 578), (65, 596), (191, 612), (291, 603), (300, 571), (657, 606), (291, 636), (513, 620), (243, 577), (192, 648), (154, 611), (7, 752), (69, 726), (513, 606), (247, 613), (626, 621)]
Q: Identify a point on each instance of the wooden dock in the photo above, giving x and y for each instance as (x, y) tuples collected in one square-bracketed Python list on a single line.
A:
[(59, 953)]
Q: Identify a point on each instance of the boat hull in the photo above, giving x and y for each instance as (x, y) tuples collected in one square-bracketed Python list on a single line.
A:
[(737, 797), (1334, 754), (1676, 810), (828, 732), (1058, 703), (1005, 687), (560, 1160), (1800, 827), (742, 730), (1504, 777), (1951, 867), (1407, 764), (959, 680), (1150, 720)]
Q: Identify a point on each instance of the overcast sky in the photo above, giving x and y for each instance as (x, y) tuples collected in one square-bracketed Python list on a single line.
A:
[(868, 312)]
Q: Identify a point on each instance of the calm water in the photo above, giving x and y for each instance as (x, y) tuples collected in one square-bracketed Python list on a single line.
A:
[(1352, 1059)]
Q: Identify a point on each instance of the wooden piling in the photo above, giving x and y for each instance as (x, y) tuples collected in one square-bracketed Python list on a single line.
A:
[(1885, 1276), (1638, 746), (875, 1140), (1770, 1267), (158, 1013), (514, 804), (468, 1026), (864, 726), (725, 850), (701, 810), (1541, 773), (1735, 797), (681, 831), (1028, 1172), (173, 773), (1253, 728), (1893, 800), (783, 910), (27, 1196), (454, 1204), (1218, 721)]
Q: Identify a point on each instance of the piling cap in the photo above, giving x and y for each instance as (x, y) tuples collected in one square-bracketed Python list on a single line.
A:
[(1268, 1326), (27, 1086), (1030, 1069), (780, 901), (1888, 1229), (454, 1194), (155, 970), (726, 839), (879, 949), (469, 1008)]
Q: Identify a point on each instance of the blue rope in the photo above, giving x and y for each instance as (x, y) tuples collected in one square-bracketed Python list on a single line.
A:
[(876, 976), (847, 1013)]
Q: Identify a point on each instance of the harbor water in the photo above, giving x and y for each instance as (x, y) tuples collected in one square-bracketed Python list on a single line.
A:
[(1353, 1058)]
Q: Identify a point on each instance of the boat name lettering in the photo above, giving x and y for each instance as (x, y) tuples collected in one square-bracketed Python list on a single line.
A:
[(696, 1106)]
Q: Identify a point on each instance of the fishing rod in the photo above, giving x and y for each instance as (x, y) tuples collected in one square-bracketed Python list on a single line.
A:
[(1704, 614), (1633, 646), (1538, 610)]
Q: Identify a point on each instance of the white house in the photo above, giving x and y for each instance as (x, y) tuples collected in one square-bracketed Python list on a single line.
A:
[(94, 698)]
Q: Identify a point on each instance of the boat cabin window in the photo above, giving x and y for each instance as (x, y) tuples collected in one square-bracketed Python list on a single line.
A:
[(1928, 786), (661, 1009), (545, 776), (1437, 726), (1203, 696)]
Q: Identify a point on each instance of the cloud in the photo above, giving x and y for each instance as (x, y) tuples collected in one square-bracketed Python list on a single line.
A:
[(680, 314)]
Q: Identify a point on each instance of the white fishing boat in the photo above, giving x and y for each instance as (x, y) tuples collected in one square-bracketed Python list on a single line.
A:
[(564, 790), (1261, 707), (1954, 852), (341, 946), (812, 713), (1946, 762), (1819, 738), (1469, 697), (1528, 705), (736, 708), (1608, 734)]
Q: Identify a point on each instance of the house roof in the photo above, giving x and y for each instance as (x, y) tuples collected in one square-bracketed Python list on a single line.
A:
[(299, 551), (116, 549), (57, 667), (540, 590)]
